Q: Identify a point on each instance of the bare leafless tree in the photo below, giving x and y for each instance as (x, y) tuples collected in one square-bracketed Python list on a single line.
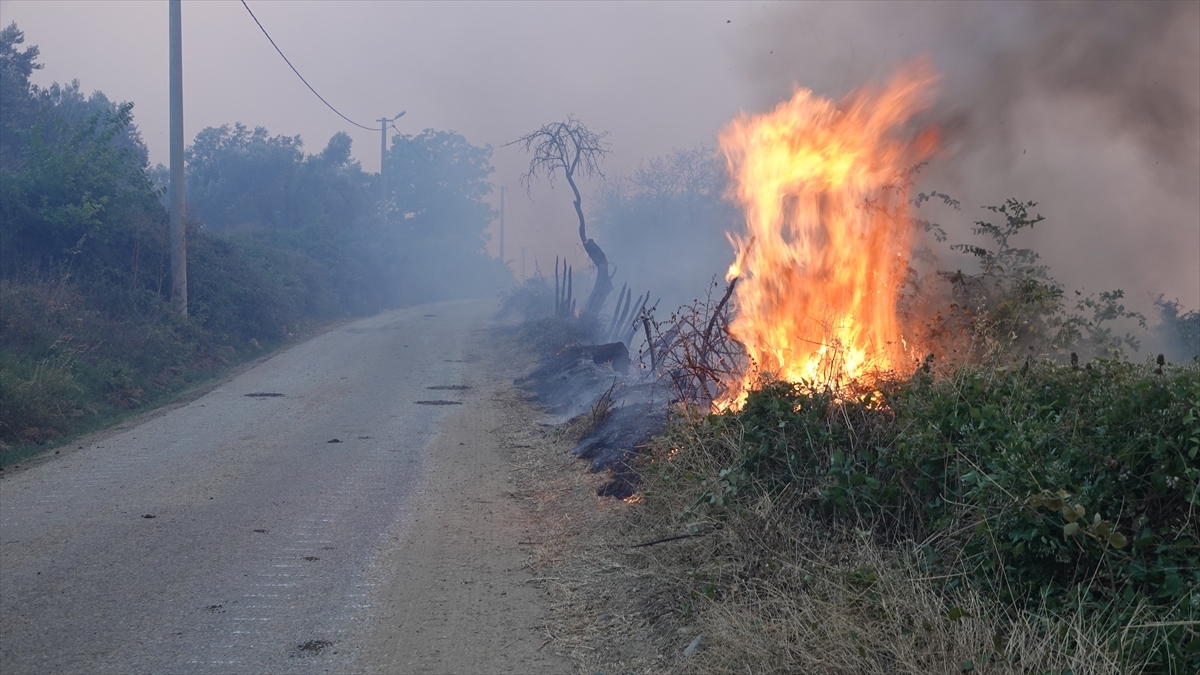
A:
[(576, 151)]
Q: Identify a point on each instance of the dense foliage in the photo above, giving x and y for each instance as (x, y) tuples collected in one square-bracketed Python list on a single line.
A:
[(278, 240), (1048, 486)]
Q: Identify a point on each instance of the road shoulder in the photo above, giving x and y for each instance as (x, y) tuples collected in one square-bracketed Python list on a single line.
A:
[(458, 593)]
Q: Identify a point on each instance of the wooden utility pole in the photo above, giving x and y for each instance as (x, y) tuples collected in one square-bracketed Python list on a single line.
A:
[(178, 236), (383, 129), (502, 261)]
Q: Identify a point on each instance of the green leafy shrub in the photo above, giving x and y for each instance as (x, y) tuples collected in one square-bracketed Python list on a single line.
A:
[(1046, 486), (1011, 308)]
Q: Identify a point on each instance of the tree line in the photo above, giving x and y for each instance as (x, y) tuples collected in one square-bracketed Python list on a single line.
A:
[(279, 239)]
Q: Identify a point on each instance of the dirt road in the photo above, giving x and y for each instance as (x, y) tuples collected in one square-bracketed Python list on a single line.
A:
[(341, 507)]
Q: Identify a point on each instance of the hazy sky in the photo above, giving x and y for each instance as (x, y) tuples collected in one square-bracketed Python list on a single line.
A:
[(1023, 119)]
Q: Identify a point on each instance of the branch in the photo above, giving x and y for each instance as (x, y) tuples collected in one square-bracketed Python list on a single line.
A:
[(720, 305), (666, 539), (568, 146)]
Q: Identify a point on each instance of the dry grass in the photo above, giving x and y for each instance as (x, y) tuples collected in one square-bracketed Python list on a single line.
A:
[(760, 588)]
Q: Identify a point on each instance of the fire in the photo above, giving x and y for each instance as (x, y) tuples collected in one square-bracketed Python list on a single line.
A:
[(827, 233)]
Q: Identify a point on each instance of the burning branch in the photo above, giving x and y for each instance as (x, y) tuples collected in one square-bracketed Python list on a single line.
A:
[(696, 349)]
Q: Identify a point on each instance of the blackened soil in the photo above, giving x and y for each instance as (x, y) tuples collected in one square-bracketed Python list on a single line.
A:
[(574, 382)]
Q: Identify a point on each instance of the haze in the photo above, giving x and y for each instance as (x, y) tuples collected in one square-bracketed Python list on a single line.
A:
[(1111, 152)]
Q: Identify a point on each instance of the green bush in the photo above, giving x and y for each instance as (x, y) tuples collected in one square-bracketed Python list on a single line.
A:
[(1046, 486)]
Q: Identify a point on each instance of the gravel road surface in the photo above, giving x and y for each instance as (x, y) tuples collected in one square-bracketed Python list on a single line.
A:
[(293, 519)]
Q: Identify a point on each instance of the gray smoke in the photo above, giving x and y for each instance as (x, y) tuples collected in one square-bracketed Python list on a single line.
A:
[(1091, 109)]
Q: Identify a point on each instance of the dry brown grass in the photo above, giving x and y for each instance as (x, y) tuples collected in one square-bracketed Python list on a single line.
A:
[(761, 589)]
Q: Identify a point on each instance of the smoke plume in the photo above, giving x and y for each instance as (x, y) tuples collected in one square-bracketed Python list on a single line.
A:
[(1091, 109)]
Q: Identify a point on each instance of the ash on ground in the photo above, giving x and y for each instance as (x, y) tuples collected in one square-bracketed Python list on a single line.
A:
[(621, 404)]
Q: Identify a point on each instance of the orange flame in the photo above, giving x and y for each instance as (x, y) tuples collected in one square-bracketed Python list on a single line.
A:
[(827, 231)]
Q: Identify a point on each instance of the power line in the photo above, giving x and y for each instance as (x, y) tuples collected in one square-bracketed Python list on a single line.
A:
[(410, 145), (310, 87)]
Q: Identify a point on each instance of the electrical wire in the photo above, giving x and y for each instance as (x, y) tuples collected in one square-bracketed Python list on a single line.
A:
[(410, 145), (310, 87)]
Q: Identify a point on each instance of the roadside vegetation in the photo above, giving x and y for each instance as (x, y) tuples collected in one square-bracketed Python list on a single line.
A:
[(280, 242), (1026, 501), (1038, 519)]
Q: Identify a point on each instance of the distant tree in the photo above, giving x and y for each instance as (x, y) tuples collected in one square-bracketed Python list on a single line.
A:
[(329, 189), (575, 150), (667, 221), (437, 182), (238, 177), (435, 233), (18, 102), (68, 103)]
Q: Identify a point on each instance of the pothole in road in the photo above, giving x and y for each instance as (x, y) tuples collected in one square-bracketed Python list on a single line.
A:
[(449, 387), (310, 558), (313, 647), (263, 394), (438, 402)]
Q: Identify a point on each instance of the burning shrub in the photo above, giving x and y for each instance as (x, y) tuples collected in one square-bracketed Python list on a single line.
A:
[(693, 347), (827, 231)]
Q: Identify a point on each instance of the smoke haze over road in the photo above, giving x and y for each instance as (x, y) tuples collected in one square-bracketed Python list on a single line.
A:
[(1092, 110)]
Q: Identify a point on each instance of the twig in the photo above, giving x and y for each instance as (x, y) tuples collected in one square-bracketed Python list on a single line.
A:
[(649, 343), (720, 305), (666, 539)]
